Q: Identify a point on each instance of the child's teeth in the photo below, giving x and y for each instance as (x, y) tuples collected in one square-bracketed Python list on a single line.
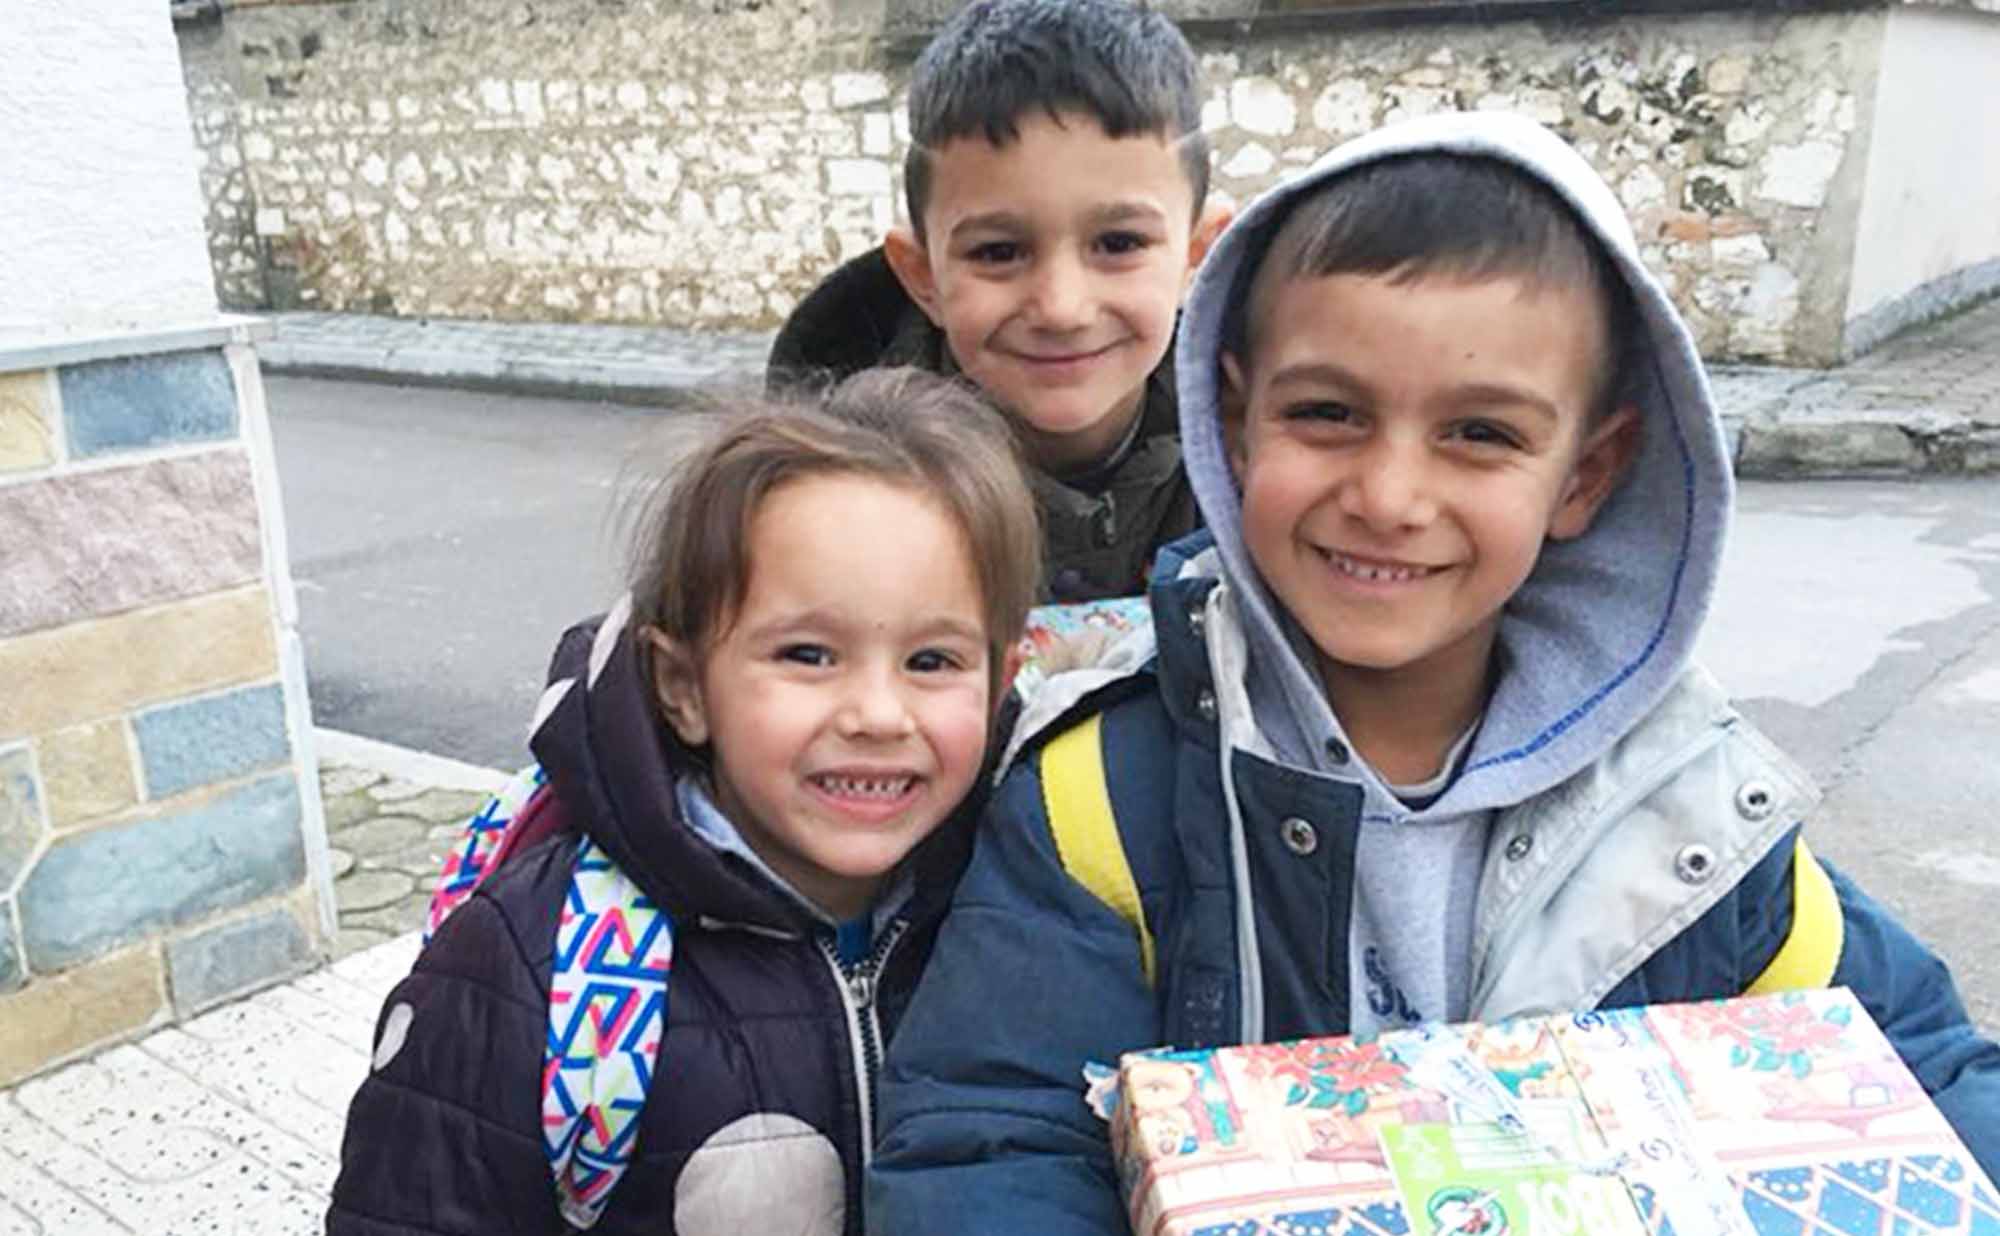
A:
[(1368, 571), (868, 787)]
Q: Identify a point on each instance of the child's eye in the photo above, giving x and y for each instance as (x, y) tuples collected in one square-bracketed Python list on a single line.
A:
[(806, 654), (933, 661), (1328, 411), (1486, 433), (995, 253), (1120, 244)]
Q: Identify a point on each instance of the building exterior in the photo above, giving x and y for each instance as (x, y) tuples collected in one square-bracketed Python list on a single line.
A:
[(1795, 167), (161, 843)]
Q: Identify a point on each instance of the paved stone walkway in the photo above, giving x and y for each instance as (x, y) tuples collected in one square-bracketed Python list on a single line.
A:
[(1925, 402), (231, 1123), (389, 837)]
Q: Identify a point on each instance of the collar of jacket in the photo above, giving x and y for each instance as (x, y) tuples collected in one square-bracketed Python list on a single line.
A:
[(613, 764), (1588, 879), (1585, 881), (1582, 882)]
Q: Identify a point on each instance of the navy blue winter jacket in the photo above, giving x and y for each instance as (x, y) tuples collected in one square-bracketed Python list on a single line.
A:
[(984, 1125)]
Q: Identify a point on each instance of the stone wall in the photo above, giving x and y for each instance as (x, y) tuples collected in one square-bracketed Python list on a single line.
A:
[(1729, 138), (153, 837), (558, 160), (650, 162), (161, 842)]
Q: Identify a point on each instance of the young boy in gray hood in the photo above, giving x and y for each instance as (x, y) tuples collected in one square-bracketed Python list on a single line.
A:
[(1418, 737)]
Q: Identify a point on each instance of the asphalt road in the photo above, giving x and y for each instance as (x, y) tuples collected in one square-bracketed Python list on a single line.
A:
[(441, 541)]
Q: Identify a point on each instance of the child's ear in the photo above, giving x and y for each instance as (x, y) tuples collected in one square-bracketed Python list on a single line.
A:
[(1234, 400), (911, 261), (1214, 219), (1609, 447), (677, 682), (1010, 669)]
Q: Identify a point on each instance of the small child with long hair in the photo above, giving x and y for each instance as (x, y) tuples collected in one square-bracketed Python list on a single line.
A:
[(760, 769)]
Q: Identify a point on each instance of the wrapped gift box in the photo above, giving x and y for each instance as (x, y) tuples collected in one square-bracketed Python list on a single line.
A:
[(1060, 637), (1785, 1115)]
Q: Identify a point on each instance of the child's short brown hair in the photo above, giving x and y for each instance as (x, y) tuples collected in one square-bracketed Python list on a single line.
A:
[(690, 562), (1458, 216), (1123, 63)]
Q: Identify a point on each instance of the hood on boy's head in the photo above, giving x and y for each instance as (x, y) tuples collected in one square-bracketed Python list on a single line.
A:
[(1606, 622)]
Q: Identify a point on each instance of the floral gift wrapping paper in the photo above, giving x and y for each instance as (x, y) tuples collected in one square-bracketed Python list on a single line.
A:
[(1783, 1115)]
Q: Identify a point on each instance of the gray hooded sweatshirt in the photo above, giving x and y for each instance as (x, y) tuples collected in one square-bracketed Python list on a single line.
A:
[(1603, 626)]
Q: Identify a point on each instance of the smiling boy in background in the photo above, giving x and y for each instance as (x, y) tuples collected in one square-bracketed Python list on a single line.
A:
[(1056, 186)]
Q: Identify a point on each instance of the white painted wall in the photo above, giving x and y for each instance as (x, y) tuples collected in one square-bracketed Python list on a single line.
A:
[(101, 223), (1931, 205)]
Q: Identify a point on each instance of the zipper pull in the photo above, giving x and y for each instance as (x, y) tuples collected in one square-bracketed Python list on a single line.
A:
[(861, 988), (1104, 523)]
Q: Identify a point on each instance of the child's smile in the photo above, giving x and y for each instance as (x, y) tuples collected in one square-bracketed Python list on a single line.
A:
[(1404, 450), (1378, 574), (1054, 265), (846, 703), (868, 796)]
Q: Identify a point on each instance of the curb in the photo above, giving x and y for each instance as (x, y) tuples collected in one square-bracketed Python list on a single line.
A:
[(641, 369), (1780, 423), (1867, 444), (637, 387), (1876, 418), (405, 763)]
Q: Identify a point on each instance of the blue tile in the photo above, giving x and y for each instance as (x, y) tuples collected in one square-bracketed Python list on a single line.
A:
[(209, 966), (11, 971), (92, 891), (186, 745), (22, 821), (140, 401)]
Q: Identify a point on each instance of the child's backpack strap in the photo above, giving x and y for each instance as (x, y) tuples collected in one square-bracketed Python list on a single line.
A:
[(1078, 804), (1086, 836), (522, 805), (607, 992), (1811, 951), (607, 1017)]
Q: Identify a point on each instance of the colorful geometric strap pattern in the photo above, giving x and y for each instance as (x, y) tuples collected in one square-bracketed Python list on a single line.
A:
[(473, 857), (607, 1015)]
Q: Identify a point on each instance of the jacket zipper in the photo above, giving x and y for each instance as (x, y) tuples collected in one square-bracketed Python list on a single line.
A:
[(864, 1027), (1104, 521)]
